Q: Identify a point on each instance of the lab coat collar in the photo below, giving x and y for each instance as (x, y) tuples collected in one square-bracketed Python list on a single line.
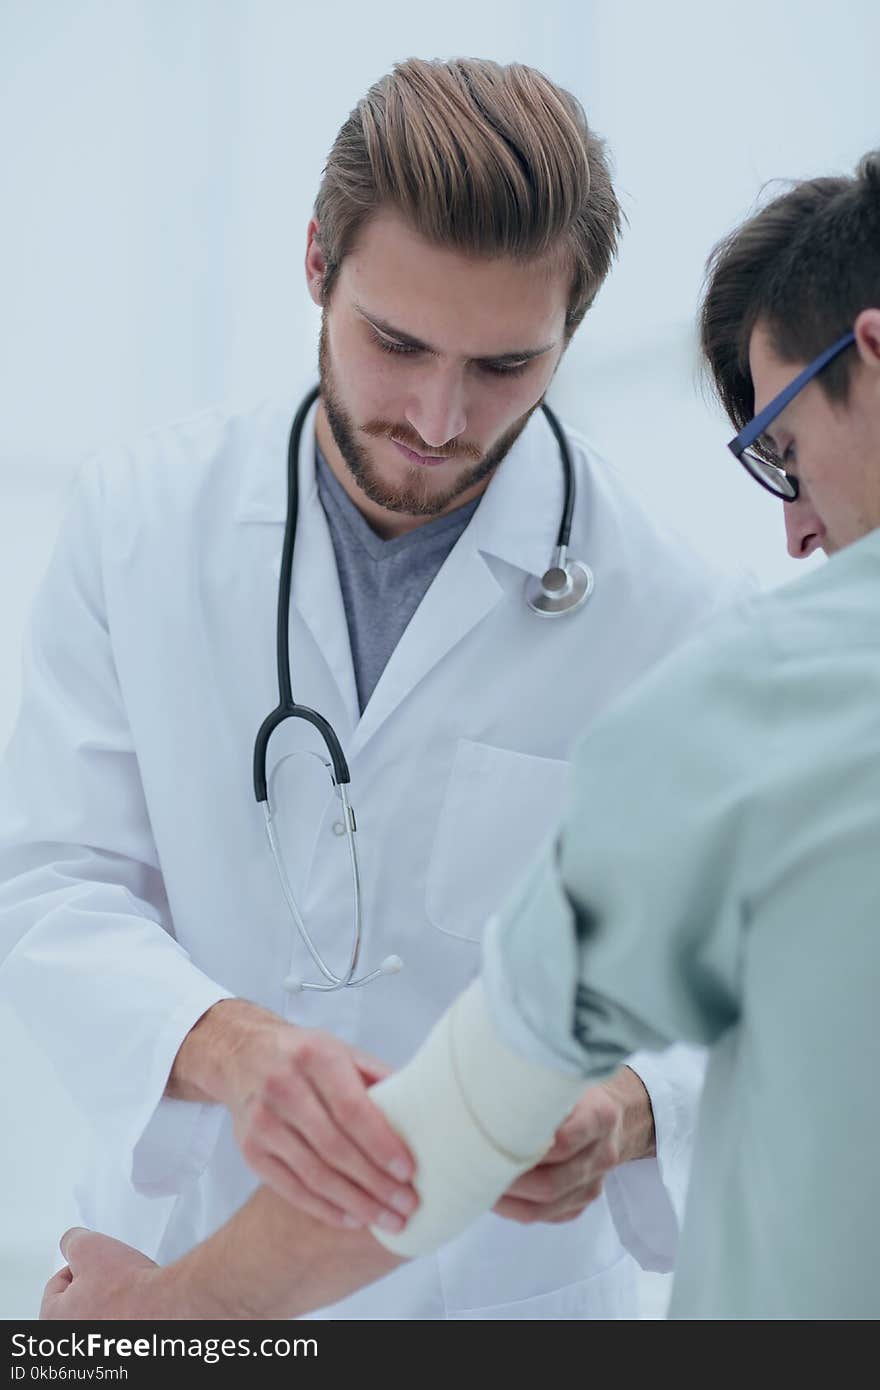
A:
[(516, 522), (518, 517)]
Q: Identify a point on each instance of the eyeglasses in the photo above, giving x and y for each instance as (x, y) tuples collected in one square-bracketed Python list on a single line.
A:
[(756, 453)]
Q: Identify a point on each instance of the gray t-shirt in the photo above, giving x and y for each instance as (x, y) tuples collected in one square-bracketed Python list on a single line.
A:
[(383, 582)]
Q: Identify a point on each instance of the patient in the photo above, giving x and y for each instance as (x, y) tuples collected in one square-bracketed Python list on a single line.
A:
[(715, 880)]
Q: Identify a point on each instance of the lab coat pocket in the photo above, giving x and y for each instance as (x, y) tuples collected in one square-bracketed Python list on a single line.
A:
[(498, 808)]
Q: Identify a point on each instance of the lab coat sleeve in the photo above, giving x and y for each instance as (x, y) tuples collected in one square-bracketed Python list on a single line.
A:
[(89, 958), (646, 1197), (643, 873)]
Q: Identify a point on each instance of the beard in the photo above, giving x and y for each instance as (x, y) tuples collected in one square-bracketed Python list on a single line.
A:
[(416, 494)]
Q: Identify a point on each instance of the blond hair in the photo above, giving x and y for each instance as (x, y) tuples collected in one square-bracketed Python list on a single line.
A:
[(487, 159)]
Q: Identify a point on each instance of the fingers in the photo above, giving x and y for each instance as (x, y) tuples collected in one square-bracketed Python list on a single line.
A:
[(550, 1182), (71, 1243), (594, 1118), (302, 1175), (557, 1192), (84, 1249), (279, 1177), (329, 1142), (568, 1208), (370, 1068), (597, 1116), (342, 1090), (316, 1123), (52, 1303), (308, 1127), (327, 1104), (567, 1143)]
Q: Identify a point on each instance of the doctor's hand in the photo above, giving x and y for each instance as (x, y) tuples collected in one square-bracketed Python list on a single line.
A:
[(612, 1123), (302, 1114)]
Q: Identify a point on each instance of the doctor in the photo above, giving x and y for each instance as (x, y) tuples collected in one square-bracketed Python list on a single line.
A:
[(463, 226)]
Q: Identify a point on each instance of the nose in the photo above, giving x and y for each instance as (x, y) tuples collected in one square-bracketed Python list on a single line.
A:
[(437, 410), (804, 529)]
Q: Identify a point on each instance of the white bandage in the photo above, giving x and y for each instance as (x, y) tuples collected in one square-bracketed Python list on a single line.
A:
[(475, 1116)]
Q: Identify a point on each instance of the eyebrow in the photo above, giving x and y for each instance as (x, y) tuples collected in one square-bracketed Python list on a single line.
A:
[(526, 355)]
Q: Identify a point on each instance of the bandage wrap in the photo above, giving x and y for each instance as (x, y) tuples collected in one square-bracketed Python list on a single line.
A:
[(475, 1116)]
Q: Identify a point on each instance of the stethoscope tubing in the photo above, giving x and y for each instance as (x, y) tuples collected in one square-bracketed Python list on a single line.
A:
[(287, 707)]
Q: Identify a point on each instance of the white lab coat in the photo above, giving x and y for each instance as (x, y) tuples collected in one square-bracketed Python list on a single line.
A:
[(136, 884)]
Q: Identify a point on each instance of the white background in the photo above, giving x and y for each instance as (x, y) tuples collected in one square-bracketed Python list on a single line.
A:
[(159, 161)]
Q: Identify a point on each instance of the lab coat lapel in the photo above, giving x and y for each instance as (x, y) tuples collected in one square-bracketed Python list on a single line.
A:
[(317, 594), (515, 521), (463, 592)]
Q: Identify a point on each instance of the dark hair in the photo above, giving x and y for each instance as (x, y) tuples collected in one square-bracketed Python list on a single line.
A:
[(493, 160), (804, 266)]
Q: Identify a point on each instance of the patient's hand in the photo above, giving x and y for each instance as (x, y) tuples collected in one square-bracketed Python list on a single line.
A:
[(102, 1279), (268, 1261), (105, 1279)]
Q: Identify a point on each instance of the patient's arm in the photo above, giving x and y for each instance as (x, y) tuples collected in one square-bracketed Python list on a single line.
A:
[(270, 1260), (475, 1116)]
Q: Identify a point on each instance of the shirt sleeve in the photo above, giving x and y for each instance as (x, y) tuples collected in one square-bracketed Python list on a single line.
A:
[(643, 877), (89, 957)]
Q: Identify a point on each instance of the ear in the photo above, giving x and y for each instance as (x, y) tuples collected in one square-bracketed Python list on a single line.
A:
[(867, 331), (316, 264)]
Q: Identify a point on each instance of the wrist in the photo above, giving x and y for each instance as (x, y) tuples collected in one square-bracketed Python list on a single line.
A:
[(191, 1288), (215, 1059), (637, 1135), (241, 1272), (199, 1286)]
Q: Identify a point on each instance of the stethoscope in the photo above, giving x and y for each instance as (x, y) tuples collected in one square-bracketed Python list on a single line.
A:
[(564, 587)]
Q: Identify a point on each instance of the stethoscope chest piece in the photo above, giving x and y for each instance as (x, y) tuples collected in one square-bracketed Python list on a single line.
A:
[(561, 589)]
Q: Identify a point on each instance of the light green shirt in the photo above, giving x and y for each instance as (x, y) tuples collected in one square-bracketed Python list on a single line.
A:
[(717, 880)]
